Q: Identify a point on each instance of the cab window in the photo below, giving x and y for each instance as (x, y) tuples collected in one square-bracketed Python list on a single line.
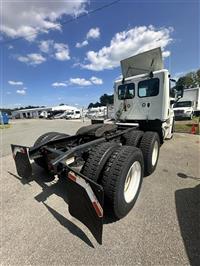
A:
[(126, 91), (148, 88)]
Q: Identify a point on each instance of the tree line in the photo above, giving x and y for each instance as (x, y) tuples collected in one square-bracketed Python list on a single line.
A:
[(104, 100), (190, 80)]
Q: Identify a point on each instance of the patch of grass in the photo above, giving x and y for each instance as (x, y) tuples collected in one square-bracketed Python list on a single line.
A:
[(196, 119), (5, 126), (185, 126)]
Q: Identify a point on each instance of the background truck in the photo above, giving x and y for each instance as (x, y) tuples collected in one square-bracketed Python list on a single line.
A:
[(104, 164), (97, 112), (73, 114), (189, 105)]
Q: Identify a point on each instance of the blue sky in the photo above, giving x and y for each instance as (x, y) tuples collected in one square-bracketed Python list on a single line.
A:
[(76, 63)]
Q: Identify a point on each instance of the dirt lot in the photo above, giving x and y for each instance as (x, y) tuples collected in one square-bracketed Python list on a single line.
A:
[(162, 229)]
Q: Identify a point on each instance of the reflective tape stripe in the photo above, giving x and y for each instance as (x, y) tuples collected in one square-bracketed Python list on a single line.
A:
[(19, 149), (79, 180), (71, 176), (98, 208)]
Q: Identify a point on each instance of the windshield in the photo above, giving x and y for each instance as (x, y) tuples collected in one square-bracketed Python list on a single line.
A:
[(148, 88), (69, 113), (126, 91), (183, 104)]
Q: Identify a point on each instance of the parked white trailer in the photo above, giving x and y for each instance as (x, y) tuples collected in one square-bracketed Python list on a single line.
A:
[(189, 105), (97, 112), (73, 114)]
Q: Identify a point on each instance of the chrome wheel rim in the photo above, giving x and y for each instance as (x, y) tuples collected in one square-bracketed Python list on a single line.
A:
[(155, 153), (132, 181)]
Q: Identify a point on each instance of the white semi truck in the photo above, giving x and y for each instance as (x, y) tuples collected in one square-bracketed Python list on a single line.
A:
[(189, 105), (104, 164)]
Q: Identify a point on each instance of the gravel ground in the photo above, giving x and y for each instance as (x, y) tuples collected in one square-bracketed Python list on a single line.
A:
[(162, 229)]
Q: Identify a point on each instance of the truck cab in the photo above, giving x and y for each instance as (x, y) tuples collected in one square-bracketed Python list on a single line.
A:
[(184, 109), (147, 101), (144, 95)]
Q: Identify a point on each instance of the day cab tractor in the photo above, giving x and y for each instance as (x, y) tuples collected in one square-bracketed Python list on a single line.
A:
[(104, 164)]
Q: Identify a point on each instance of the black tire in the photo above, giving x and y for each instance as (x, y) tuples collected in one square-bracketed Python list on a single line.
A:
[(114, 177), (88, 129), (42, 139), (133, 138), (96, 160), (147, 145)]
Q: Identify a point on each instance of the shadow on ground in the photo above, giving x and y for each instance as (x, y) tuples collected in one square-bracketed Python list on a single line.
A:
[(188, 213), (57, 187), (182, 175)]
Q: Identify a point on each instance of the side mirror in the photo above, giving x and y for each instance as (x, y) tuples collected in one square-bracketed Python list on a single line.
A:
[(180, 91)]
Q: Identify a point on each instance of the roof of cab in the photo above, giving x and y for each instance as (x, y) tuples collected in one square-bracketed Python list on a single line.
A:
[(140, 76)]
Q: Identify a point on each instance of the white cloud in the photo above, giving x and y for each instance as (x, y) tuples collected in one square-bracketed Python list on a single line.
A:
[(59, 51), (166, 53), (79, 45), (93, 33), (127, 43), (32, 59), (44, 46), (21, 92), (62, 51), (15, 83), (96, 81), (119, 77), (80, 81), (86, 82), (28, 18), (59, 84)]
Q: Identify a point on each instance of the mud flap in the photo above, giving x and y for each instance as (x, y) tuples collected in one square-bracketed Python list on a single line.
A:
[(22, 162), (85, 199)]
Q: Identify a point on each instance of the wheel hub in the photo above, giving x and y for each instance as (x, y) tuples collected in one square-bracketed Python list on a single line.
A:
[(155, 153), (132, 182)]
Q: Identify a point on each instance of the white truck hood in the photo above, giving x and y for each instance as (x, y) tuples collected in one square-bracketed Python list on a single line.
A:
[(183, 108)]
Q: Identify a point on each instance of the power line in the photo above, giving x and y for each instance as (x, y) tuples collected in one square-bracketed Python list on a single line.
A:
[(64, 22)]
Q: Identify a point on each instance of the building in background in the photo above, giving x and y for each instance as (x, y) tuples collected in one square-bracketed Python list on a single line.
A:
[(30, 113)]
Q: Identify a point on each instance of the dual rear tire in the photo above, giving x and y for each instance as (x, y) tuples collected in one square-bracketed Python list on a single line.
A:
[(121, 175), (149, 143)]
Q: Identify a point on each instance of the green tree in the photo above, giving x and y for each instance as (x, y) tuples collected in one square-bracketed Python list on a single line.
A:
[(190, 80), (106, 99), (97, 104)]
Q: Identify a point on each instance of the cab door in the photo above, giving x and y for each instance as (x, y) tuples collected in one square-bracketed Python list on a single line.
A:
[(149, 96)]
